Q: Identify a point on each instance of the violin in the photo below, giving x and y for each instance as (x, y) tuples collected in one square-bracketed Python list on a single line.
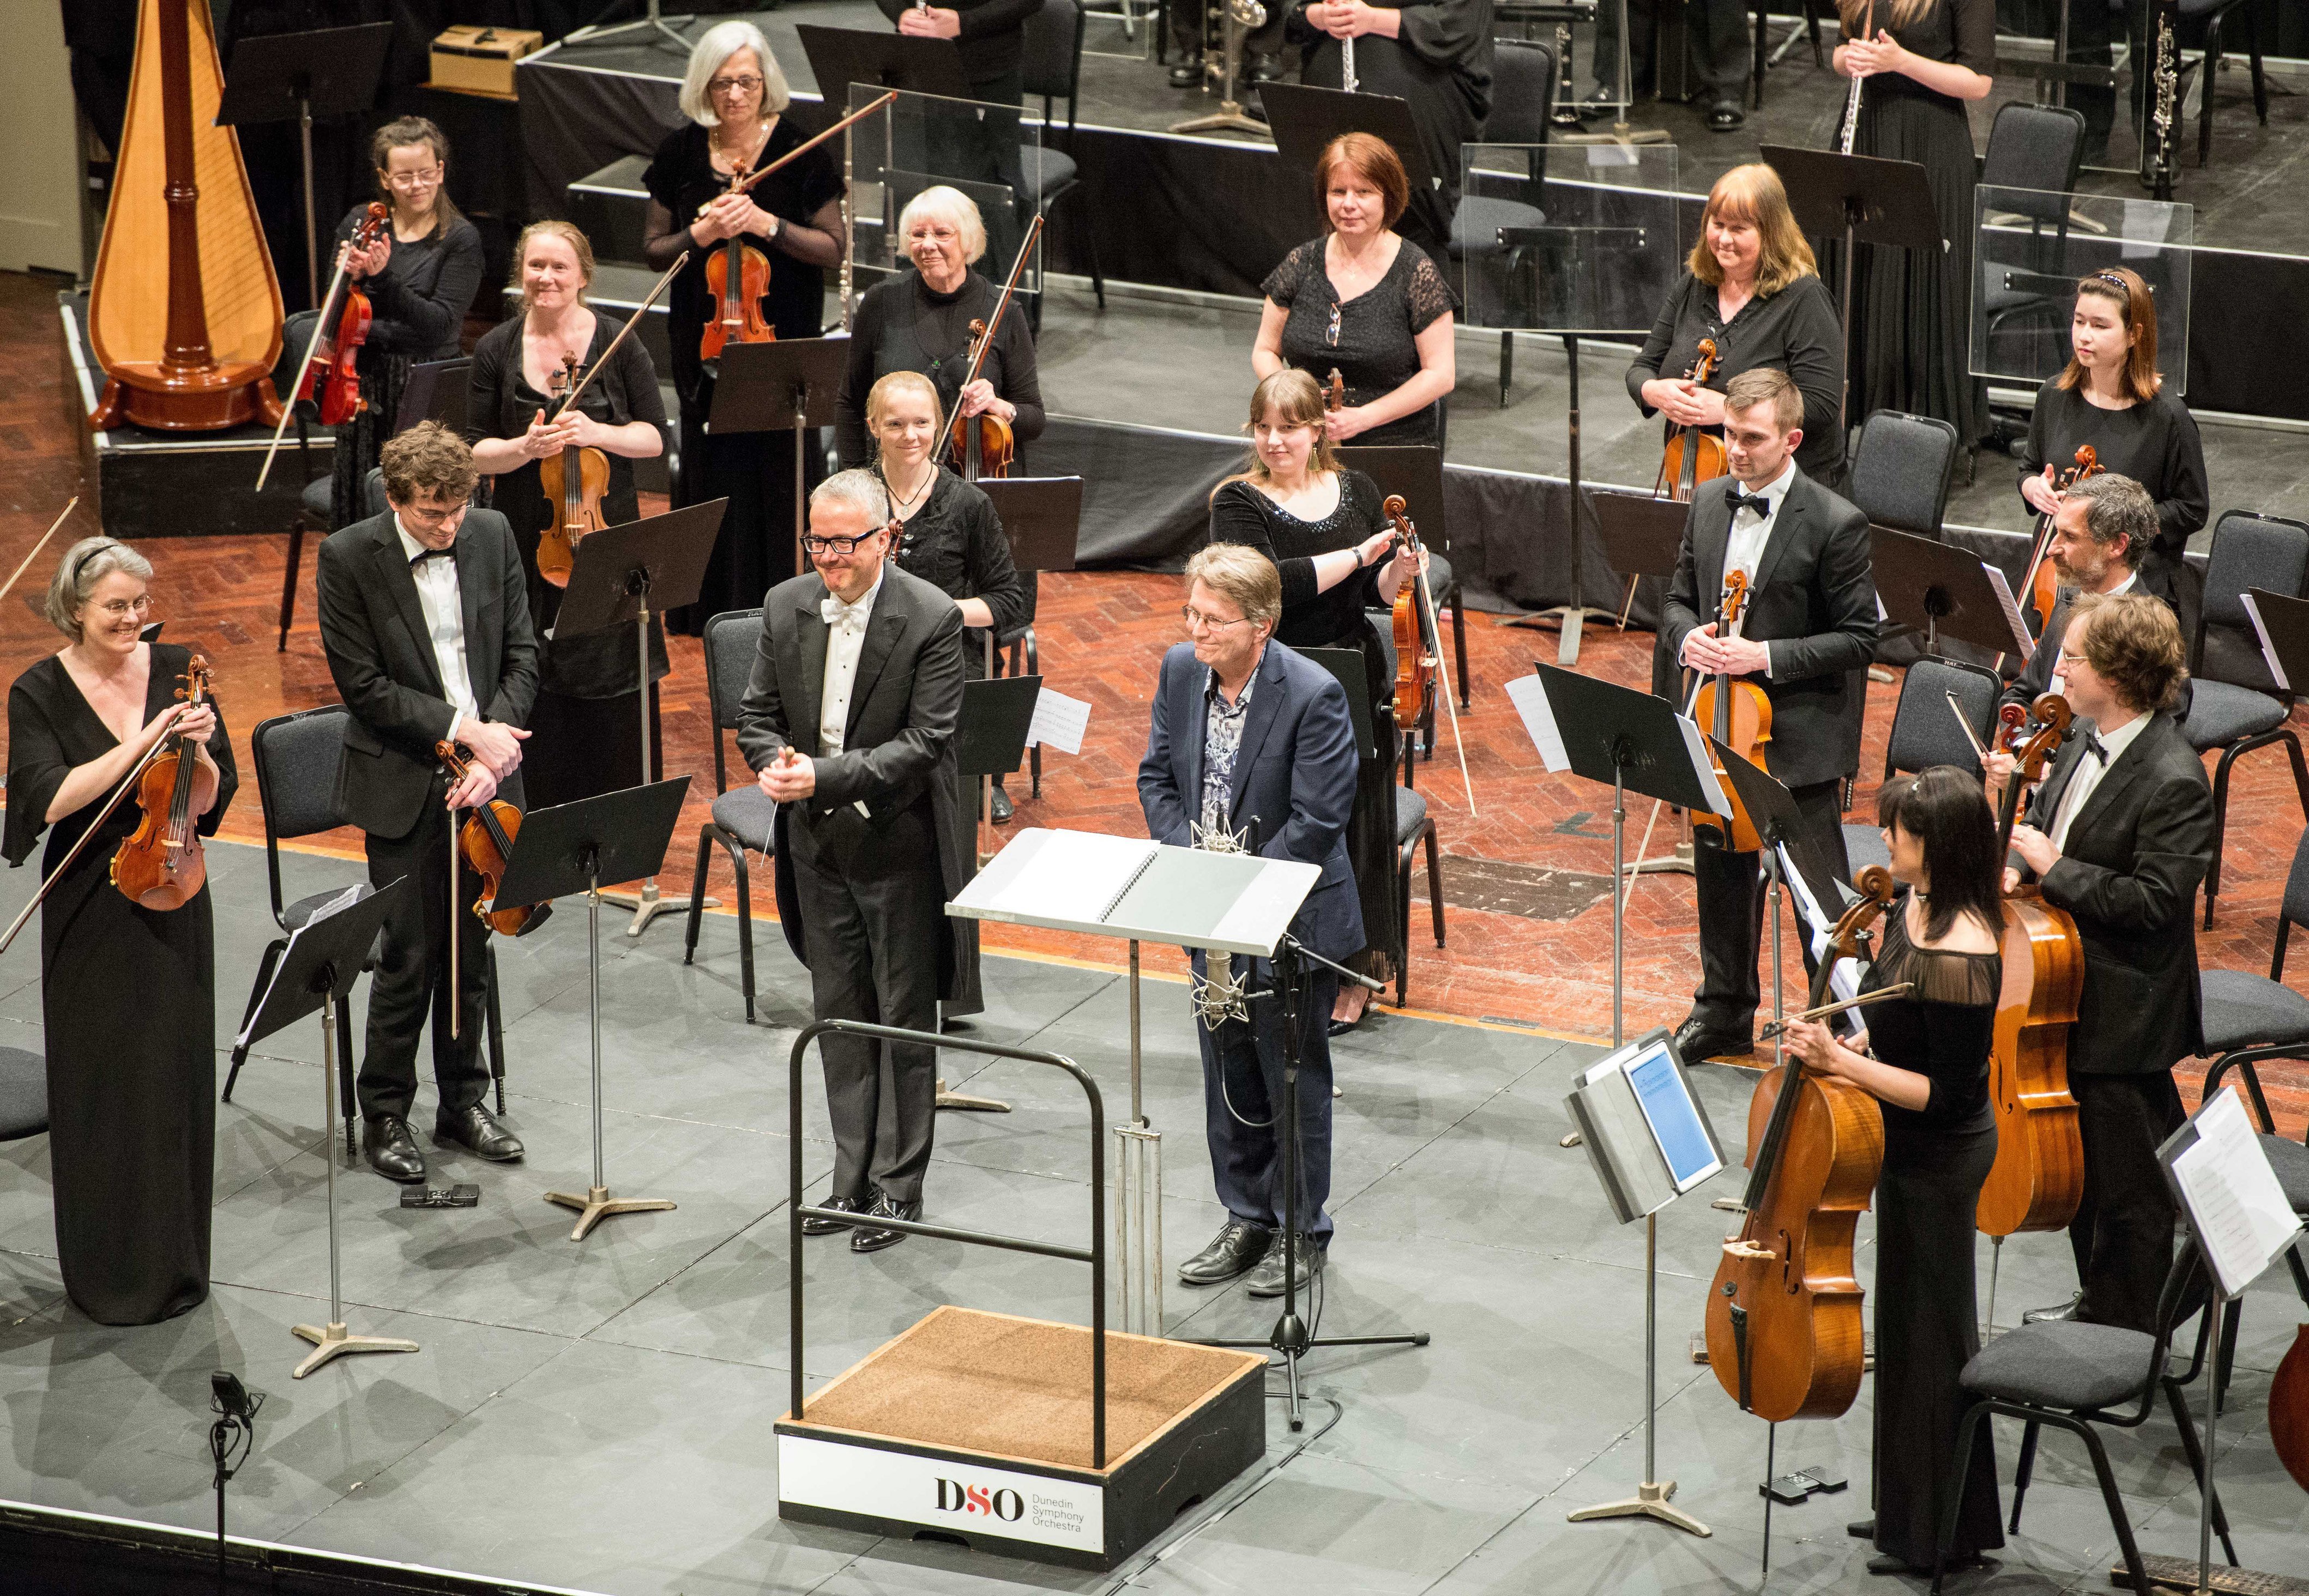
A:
[(1740, 717), (329, 378), (2039, 583), (485, 841), (574, 482), (2288, 1409), (1784, 1320), (161, 865), (983, 445), (1692, 455), (2038, 1177), (1416, 659), (1335, 396), (737, 277)]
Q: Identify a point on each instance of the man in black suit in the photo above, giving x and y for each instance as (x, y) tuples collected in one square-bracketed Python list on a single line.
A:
[(1805, 637), (849, 718), (425, 620), (2120, 836), (1249, 737), (2101, 522)]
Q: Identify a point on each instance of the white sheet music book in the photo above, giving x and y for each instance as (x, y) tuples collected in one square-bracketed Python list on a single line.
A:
[(1059, 720), (343, 900), (2023, 644), (1077, 876), (2235, 1203), (2268, 648)]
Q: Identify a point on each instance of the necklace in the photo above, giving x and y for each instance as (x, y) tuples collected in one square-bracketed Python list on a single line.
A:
[(903, 502)]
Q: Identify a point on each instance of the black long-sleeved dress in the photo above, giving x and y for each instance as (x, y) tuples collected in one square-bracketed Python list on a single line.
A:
[(128, 1011), (1794, 331), (1336, 618), (904, 324), (1376, 349), (1935, 1161), (2155, 443)]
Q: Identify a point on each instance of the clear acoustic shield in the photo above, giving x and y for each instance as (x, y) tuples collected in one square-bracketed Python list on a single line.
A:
[(1551, 239), (2033, 245), (987, 152)]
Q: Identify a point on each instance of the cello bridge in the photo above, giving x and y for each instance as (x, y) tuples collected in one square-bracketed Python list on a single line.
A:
[(1738, 1247)]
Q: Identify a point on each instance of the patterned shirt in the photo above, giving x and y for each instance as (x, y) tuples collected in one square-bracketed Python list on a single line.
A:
[(1222, 741)]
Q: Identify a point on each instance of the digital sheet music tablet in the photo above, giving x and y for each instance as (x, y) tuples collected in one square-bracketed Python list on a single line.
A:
[(1665, 1100)]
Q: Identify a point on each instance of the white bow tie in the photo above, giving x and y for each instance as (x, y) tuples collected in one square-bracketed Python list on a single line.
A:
[(849, 617)]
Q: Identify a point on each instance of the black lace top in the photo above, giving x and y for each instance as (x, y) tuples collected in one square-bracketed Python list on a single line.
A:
[(1240, 514), (1373, 341), (1942, 1029)]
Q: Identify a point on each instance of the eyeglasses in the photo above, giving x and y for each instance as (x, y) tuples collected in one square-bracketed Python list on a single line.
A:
[(816, 544), (932, 235), (405, 181), (745, 83), (432, 517), (1197, 620), (117, 608)]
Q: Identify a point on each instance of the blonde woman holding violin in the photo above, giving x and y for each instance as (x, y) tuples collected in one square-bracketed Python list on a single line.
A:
[(1323, 528)]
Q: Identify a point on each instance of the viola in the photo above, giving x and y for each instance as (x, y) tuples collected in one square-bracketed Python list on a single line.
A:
[(1415, 658), (2038, 1177), (2039, 583), (737, 277), (574, 482), (1739, 715), (161, 865), (1692, 455), (485, 841), (1784, 1319), (983, 445)]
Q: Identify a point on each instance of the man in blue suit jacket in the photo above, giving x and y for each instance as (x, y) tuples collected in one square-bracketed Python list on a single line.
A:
[(1251, 738)]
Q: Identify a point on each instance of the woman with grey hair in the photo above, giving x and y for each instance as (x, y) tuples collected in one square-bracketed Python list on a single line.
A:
[(127, 994), (736, 97), (921, 322)]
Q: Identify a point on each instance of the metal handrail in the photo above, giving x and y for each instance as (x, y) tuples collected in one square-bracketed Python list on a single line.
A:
[(1094, 1256)]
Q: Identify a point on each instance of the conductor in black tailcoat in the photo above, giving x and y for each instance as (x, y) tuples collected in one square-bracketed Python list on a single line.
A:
[(425, 620), (1806, 637), (850, 716)]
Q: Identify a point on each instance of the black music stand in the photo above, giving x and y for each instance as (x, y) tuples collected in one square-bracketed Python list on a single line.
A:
[(1868, 199), (623, 573), (328, 71), (316, 970), (1642, 537), (1041, 517), (570, 848), (1941, 591), (1780, 823), (841, 57), (788, 382), (989, 739), (436, 391), (1304, 118)]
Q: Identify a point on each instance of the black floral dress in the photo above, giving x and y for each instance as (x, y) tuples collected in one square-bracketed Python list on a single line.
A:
[(1370, 340)]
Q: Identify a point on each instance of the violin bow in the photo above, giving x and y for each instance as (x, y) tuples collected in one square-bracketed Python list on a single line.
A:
[(804, 148), (62, 515), (312, 345), (1018, 269), (623, 333), (1451, 697), (127, 785), (455, 863)]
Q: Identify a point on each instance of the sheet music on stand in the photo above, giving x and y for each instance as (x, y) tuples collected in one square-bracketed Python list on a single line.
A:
[(2233, 1199)]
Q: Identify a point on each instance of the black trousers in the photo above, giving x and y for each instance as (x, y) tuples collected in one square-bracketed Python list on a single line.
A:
[(1732, 900), (1243, 1097), (873, 907), (1718, 34), (412, 975), (2122, 1234)]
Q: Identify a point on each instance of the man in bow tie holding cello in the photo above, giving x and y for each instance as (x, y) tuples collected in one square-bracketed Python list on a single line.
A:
[(1807, 636), (850, 716)]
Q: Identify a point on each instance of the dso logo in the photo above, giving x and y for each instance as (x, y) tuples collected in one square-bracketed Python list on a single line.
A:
[(954, 1496)]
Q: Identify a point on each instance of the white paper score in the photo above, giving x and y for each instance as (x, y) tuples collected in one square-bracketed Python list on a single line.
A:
[(1058, 721)]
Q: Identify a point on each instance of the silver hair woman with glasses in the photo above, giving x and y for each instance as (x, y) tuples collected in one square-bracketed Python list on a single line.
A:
[(735, 97), (920, 320), (127, 994)]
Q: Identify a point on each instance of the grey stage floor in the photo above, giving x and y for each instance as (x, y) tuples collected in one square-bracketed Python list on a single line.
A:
[(599, 1415)]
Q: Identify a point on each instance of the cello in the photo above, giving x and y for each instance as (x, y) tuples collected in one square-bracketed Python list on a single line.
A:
[(2038, 584), (983, 445), (160, 864), (1784, 1320), (573, 482), (1691, 456), (2038, 1177), (1739, 715)]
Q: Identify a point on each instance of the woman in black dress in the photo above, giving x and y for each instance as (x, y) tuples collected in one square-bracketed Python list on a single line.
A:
[(127, 994), (1926, 1057), (952, 538), (2113, 398), (1751, 286), (735, 97), (1434, 54), (1911, 329), (586, 723), (1323, 527), (921, 322), (420, 280), (1365, 301)]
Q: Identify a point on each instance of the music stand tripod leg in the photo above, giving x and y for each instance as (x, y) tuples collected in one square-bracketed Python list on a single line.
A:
[(597, 1204), (649, 902)]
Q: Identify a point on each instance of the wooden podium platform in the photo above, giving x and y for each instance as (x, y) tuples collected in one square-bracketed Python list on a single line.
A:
[(977, 1427)]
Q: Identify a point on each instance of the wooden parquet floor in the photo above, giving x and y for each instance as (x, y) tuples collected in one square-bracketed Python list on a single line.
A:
[(1102, 634)]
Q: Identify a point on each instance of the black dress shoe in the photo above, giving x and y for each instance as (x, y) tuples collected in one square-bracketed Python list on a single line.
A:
[(1238, 1246), (1263, 69), (1002, 806), (478, 1132), (1266, 1280), (874, 1238), (1726, 117), (1861, 1528), (2053, 1315), (1695, 1040), (391, 1150), (827, 1227), (1187, 73)]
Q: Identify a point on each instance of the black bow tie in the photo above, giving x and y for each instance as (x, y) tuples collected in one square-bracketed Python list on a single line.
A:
[(1738, 501), (417, 560), (2097, 748)]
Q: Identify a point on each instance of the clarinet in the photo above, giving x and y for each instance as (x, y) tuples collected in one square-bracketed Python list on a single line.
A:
[(2156, 151)]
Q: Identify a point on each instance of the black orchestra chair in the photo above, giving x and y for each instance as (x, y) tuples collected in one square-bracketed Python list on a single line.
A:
[(2213, 14), (23, 1094), (1523, 78), (2075, 1377), (1924, 734), (2035, 153), (2234, 703), (1052, 68), (742, 817), (1900, 471), (1412, 825)]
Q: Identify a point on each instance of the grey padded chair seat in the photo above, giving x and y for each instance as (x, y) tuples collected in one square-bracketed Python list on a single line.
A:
[(319, 498), (1438, 572), (2244, 1009), (1047, 170), (1863, 845), (2065, 1365), (1410, 814), (2221, 713), (23, 1094), (1475, 225), (746, 812)]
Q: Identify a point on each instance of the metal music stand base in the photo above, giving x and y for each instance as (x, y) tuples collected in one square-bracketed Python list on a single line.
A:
[(1230, 117), (651, 21), (1650, 1501), (333, 1341), (1620, 134), (597, 1205)]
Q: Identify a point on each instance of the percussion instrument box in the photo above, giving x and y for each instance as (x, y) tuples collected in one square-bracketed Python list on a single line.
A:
[(481, 60)]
